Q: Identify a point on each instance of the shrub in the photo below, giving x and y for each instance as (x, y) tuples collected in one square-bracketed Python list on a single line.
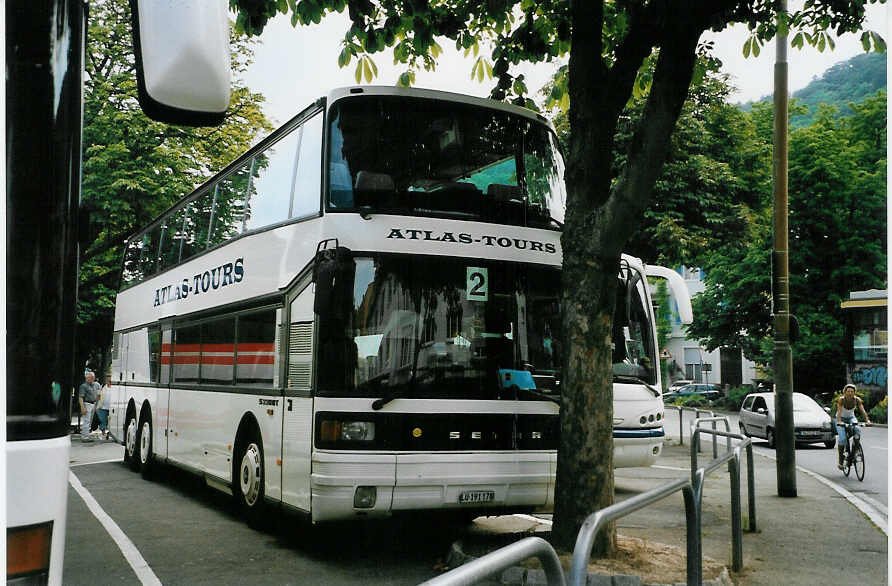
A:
[(692, 401), (734, 399), (878, 413)]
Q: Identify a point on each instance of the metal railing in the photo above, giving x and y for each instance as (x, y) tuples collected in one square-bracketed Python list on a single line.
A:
[(692, 491), (596, 521), (503, 558), (715, 445), (681, 409)]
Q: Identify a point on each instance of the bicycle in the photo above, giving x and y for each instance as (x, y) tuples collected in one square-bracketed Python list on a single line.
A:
[(853, 454)]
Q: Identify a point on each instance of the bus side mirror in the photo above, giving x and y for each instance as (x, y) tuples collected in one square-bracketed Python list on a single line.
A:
[(182, 60), (325, 267), (328, 268)]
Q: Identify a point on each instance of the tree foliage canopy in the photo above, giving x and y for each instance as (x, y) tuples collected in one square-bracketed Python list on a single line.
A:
[(134, 168), (838, 239)]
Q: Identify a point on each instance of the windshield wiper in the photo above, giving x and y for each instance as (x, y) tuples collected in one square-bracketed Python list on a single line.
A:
[(628, 378), (539, 395), (394, 392)]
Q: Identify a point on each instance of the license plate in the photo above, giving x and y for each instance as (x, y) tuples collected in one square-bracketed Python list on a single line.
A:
[(476, 496), (809, 432)]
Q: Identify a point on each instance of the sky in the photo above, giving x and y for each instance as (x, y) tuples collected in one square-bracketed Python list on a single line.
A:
[(295, 66)]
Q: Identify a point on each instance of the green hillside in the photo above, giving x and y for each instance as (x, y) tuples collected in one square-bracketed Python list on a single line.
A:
[(848, 81)]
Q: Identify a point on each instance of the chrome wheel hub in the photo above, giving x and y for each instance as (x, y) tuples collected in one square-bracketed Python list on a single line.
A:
[(250, 474)]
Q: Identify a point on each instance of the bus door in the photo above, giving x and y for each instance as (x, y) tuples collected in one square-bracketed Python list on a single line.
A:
[(297, 424)]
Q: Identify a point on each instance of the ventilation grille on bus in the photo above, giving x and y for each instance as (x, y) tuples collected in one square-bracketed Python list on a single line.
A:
[(301, 338), (300, 355)]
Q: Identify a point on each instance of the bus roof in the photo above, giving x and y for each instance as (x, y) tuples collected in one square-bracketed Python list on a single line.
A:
[(339, 94)]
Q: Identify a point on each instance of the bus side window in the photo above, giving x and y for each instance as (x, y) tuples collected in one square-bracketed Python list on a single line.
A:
[(217, 340), (197, 226), (271, 182), (256, 349), (230, 205), (148, 258), (307, 184), (172, 238)]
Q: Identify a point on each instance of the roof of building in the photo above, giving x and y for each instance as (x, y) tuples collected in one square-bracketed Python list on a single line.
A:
[(869, 298)]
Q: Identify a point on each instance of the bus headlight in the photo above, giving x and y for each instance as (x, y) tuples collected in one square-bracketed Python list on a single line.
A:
[(347, 431), (365, 497)]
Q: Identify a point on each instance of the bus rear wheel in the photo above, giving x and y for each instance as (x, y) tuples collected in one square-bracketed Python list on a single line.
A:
[(131, 458), (248, 485), (146, 458)]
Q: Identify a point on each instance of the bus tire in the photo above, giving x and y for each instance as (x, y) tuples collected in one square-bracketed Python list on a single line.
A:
[(131, 457), (248, 476), (144, 443)]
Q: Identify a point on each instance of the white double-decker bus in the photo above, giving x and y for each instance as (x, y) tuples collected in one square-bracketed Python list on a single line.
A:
[(360, 316)]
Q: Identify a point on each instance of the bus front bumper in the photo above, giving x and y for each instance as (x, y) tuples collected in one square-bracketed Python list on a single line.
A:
[(342, 483)]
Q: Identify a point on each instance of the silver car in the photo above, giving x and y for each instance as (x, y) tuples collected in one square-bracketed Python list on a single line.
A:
[(811, 423)]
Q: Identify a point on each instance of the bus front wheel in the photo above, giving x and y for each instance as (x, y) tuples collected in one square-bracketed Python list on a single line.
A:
[(249, 480)]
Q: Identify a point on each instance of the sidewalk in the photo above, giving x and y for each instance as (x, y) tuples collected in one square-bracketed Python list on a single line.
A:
[(816, 538)]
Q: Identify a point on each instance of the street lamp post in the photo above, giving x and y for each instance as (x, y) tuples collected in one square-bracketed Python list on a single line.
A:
[(783, 354)]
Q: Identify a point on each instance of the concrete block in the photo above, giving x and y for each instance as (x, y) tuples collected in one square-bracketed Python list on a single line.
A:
[(626, 580), (514, 576)]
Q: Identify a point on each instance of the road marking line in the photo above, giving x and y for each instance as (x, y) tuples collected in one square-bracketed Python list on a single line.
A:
[(671, 468), (145, 574), (72, 465), (876, 504), (531, 518), (861, 504)]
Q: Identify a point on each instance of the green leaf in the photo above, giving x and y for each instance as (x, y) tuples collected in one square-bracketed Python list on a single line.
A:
[(879, 44), (865, 41), (797, 41), (746, 47), (783, 23), (831, 42), (357, 75), (756, 48), (822, 43)]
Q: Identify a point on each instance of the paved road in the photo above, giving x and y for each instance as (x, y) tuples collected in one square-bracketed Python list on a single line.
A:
[(178, 531), (815, 458)]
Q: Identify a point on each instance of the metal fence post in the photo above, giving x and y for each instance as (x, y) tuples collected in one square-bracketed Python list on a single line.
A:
[(751, 485), (692, 525), (680, 426), (698, 480), (736, 529)]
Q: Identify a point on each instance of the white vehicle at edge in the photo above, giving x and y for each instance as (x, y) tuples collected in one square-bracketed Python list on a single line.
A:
[(360, 316)]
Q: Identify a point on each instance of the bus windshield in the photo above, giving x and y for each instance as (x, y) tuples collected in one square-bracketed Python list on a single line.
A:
[(466, 329), (428, 157), (461, 328)]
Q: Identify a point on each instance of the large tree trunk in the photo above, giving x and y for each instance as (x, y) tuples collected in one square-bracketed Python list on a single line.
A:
[(585, 459), (602, 211)]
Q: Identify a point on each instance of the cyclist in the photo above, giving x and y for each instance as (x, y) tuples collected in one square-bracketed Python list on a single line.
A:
[(845, 413)]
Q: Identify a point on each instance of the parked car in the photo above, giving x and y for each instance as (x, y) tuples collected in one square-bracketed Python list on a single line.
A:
[(709, 392), (678, 384), (811, 422)]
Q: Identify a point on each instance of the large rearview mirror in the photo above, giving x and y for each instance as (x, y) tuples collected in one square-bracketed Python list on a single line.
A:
[(182, 59)]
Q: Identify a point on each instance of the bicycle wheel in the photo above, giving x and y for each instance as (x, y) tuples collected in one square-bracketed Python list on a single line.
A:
[(847, 458), (858, 461)]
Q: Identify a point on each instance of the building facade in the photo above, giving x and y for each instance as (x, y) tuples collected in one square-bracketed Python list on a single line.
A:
[(867, 339), (686, 359)]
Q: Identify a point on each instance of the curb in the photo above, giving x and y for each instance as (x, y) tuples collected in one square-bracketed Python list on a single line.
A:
[(519, 576)]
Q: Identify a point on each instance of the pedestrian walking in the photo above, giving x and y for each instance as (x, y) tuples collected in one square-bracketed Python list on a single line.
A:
[(103, 405), (86, 396)]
